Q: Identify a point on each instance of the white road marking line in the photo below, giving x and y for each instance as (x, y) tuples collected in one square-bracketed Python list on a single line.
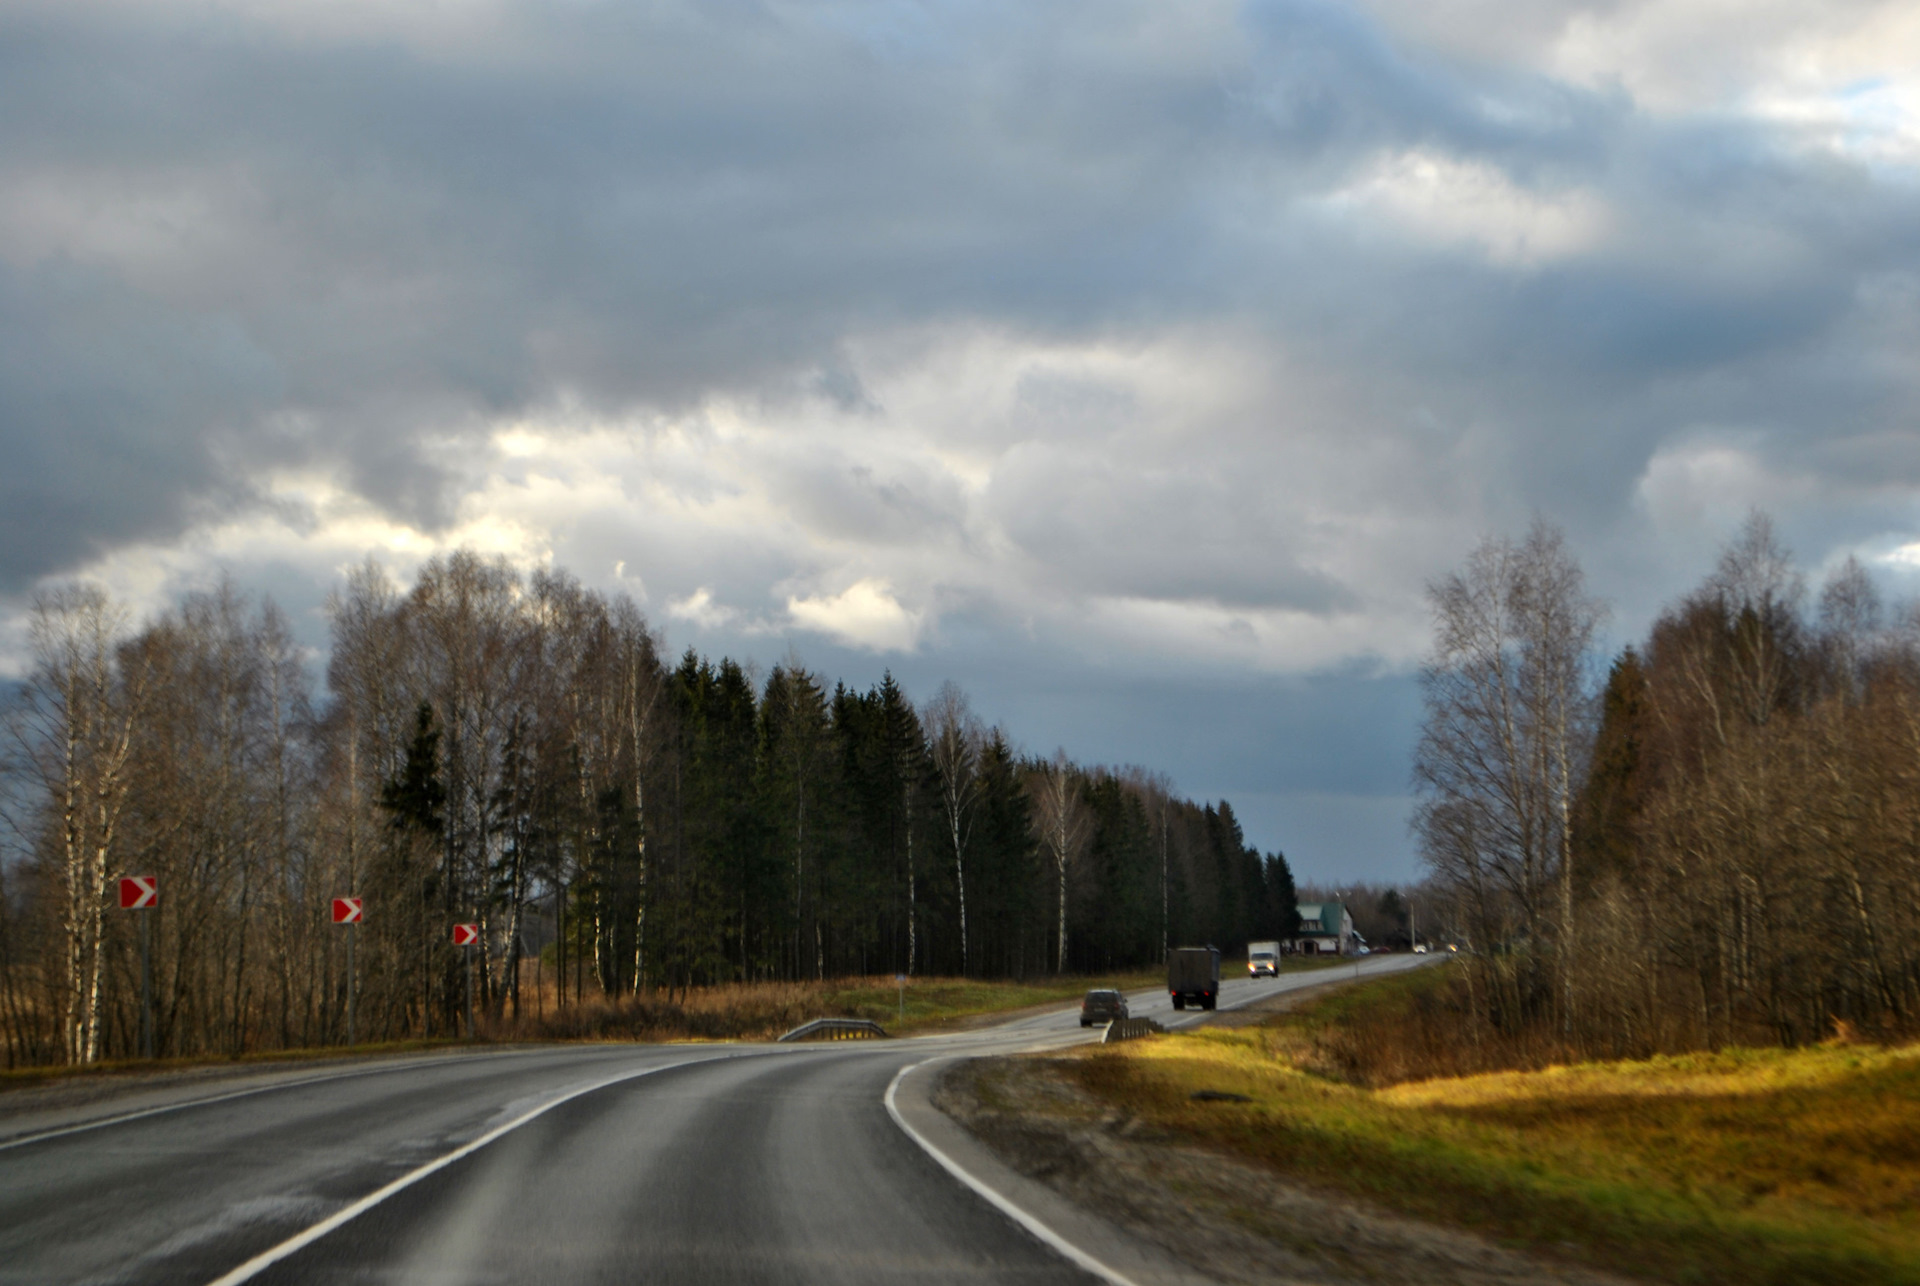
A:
[(1005, 1206), (267, 1258), (183, 1105)]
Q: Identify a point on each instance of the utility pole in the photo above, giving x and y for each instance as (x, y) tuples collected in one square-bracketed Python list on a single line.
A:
[(466, 936), (348, 911), (353, 931), (146, 989)]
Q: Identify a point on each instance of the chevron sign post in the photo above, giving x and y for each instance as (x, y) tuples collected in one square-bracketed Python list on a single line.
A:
[(348, 911), (142, 893), (466, 935)]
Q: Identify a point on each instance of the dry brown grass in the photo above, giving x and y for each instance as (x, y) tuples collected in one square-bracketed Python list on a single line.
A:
[(1413, 1027)]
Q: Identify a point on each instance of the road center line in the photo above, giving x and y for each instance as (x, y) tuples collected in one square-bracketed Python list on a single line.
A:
[(1048, 1236), (267, 1258)]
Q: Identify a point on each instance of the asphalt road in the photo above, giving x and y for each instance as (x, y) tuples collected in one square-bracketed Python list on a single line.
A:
[(577, 1164)]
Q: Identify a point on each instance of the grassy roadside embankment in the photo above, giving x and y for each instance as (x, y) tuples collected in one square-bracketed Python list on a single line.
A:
[(1751, 1165), (763, 1010)]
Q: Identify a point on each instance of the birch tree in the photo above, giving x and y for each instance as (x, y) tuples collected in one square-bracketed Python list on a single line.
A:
[(954, 738), (642, 682), (82, 709), (1065, 823), (1509, 710)]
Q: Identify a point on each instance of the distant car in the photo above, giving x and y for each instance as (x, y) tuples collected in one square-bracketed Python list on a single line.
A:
[(1102, 1006), (1263, 959), (1420, 948)]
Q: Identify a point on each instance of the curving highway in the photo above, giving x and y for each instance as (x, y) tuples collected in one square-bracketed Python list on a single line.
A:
[(564, 1164)]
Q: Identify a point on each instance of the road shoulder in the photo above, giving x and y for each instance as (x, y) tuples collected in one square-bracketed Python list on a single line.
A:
[(920, 1102), (1224, 1219)]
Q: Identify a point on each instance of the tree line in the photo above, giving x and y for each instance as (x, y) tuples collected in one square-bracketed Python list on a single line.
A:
[(514, 751), (1714, 840)]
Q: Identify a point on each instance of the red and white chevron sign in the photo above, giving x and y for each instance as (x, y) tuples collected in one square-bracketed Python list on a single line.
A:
[(465, 935), (139, 892), (346, 910)]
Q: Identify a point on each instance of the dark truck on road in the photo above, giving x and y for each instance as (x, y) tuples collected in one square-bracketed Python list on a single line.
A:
[(1193, 975)]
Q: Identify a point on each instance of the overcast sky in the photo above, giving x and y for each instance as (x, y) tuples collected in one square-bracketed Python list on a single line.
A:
[(1133, 364)]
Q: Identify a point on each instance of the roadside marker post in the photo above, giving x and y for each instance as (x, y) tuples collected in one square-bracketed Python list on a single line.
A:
[(142, 893), (901, 978), (465, 936), (348, 911)]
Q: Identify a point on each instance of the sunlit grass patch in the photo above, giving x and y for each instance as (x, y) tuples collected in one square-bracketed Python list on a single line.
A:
[(1784, 1132), (1754, 1166)]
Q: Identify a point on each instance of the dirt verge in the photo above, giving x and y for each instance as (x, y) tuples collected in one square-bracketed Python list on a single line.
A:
[(1230, 1219)]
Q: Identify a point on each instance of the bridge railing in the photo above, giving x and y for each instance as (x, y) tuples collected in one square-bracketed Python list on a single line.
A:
[(837, 1029)]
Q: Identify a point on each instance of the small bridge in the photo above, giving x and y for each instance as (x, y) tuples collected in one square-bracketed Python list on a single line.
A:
[(1129, 1029), (837, 1029)]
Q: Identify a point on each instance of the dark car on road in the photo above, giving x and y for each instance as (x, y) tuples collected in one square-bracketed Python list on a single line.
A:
[(1102, 1007)]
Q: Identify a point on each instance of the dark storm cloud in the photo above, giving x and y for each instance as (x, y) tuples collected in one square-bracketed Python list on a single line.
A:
[(113, 412), (630, 204), (362, 237)]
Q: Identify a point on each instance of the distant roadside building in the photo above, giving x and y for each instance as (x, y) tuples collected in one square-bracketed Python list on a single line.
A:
[(1326, 929)]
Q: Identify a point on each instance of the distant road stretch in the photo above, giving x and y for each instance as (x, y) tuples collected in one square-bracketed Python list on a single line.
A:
[(567, 1164)]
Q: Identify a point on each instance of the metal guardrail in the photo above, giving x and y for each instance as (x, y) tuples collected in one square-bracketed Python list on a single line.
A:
[(1129, 1029), (837, 1029)]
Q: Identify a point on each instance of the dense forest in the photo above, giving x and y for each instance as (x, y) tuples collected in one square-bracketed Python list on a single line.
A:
[(1713, 839), (515, 752)]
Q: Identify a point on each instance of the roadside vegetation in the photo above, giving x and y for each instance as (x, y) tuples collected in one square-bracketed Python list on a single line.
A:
[(1768, 1165)]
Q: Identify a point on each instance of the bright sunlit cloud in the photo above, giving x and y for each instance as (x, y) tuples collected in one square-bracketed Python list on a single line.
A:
[(1439, 200), (865, 614)]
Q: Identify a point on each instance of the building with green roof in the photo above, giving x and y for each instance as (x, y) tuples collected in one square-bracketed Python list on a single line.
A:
[(1326, 929)]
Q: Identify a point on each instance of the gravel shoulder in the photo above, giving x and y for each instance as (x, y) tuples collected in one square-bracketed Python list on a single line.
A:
[(1230, 1219)]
